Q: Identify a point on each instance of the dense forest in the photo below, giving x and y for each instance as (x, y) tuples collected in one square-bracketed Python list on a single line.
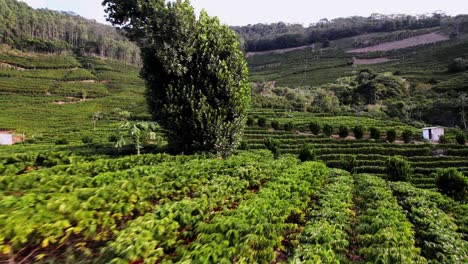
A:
[(262, 37), (43, 30)]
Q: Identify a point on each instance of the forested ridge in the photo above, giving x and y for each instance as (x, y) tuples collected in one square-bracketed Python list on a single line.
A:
[(43, 30), (262, 37)]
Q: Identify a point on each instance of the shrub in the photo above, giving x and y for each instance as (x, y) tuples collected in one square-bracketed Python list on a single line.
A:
[(243, 145), (314, 127), (288, 126), (307, 153), (443, 140), (391, 135), (407, 136), (261, 122), (398, 169), (375, 133), (358, 132), (275, 125), (273, 146), (328, 130), (452, 183), (113, 138), (457, 65), (460, 137), (250, 121), (87, 140), (349, 163), (61, 141), (343, 132)]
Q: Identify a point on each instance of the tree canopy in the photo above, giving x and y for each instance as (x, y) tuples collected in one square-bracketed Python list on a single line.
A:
[(44, 30), (195, 73)]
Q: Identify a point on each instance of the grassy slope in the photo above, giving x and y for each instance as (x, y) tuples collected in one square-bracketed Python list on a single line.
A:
[(315, 67)]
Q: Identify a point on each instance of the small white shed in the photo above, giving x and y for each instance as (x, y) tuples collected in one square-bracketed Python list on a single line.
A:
[(433, 133), (6, 138)]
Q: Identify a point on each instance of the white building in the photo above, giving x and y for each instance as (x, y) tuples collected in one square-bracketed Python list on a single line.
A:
[(6, 138), (433, 133)]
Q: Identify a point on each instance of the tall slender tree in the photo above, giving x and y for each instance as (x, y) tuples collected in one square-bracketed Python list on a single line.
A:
[(196, 75)]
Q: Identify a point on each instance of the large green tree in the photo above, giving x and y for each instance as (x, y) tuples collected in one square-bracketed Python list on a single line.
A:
[(196, 75)]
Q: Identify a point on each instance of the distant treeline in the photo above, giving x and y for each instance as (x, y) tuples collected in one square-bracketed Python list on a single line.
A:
[(262, 37), (43, 30)]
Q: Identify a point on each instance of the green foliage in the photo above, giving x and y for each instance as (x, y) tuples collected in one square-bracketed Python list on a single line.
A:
[(328, 130), (250, 121), (358, 132), (407, 136), (391, 135), (289, 126), (138, 134), (314, 127), (87, 139), (196, 75), (324, 238), (349, 163), (398, 169), (460, 138), (307, 153), (457, 65), (62, 141), (343, 132), (374, 133), (275, 125), (436, 232), (443, 140), (261, 122), (384, 233), (273, 146), (452, 183)]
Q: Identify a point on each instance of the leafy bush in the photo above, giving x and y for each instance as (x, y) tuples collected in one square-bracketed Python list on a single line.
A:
[(375, 133), (288, 126), (307, 153), (452, 183), (391, 135), (358, 132), (398, 169), (61, 141), (443, 140), (349, 163), (250, 121), (243, 145), (261, 122), (275, 125), (314, 127), (273, 145), (328, 130), (113, 138), (343, 132), (407, 136), (460, 137), (87, 140), (457, 65)]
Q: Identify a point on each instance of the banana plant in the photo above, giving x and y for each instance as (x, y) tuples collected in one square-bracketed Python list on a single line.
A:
[(137, 133)]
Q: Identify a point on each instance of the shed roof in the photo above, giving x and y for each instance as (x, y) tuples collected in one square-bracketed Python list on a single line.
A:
[(427, 128)]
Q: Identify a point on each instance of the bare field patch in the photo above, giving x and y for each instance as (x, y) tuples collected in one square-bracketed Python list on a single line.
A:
[(371, 61), (404, 43)]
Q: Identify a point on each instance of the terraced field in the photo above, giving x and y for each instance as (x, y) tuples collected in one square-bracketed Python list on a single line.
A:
[(249, 207)]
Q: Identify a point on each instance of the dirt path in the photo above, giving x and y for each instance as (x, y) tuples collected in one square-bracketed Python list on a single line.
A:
[(371, 61)]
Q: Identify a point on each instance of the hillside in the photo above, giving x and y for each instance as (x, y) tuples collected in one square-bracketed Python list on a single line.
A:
[(332, 166), (49, 31)]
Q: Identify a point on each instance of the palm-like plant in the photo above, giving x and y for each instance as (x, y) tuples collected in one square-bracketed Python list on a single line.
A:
[(137, 133)]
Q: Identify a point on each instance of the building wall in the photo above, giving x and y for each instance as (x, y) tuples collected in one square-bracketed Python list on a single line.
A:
[(436, 134), (6, 139)]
